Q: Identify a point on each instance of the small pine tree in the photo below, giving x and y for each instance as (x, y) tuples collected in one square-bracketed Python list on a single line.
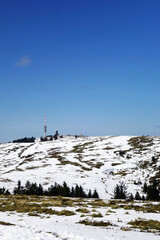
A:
[(120, 191), (66, 189), (40, 190), (89, 194), (153, 193), (131, 197), (143, 198), (137, 196), (145, 187), (19, 189), (95, 194), (81, 192), (72, 192)]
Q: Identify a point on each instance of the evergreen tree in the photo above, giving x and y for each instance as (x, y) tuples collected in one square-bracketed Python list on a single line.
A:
[(19, 188), (81, 192), (66, 190), (120, 191), (95, 194), (40, 190), (27, 187), (89, 194), (72, 192), (131, 197), (143, 198), (145, 187), (137, 196), (76, 191), (152, 193)]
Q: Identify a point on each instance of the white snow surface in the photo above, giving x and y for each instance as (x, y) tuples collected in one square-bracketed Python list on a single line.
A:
[(94, 163), (67, 228)]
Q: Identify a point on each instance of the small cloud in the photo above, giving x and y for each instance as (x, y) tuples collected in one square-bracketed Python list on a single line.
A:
[(157, 126), (23, 62), (86, 87)]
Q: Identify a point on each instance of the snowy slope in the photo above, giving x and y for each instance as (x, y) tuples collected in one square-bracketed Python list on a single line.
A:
[(93, 162)]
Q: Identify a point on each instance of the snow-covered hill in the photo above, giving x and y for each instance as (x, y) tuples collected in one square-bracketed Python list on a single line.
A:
[(94, 162)]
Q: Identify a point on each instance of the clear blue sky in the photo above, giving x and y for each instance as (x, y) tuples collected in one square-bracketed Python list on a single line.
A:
[(92, 67)]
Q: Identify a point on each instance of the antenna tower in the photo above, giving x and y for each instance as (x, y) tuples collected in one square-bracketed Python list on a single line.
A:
[(45, 127)]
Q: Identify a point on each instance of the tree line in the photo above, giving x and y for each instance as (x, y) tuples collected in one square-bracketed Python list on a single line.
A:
[(151, 191), (54, 190), (24, 140)]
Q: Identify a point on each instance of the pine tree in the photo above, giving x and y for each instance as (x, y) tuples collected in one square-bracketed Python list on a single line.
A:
[(89, 194), (120, 191), (131, 197), (145, 187), (40, 190), (66, 189), (18, 189), (72, 192), (137, 196), (153, 193), (143, 198), (95, 194)]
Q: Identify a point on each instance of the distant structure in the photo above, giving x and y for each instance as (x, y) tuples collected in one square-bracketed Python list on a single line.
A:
[(45, 127), (57, 132), (49, 137), (56, 135)]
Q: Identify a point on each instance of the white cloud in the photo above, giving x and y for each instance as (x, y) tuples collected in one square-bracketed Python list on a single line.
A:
[(86, 87), (23, 61)]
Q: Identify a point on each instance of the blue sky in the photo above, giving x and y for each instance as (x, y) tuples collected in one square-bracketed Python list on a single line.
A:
[(92, 67)]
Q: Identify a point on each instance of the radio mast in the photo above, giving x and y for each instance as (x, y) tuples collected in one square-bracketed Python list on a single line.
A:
[(45, 127)]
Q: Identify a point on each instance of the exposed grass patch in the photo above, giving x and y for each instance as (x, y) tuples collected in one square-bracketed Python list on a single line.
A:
[(62, 202), (126, 205), (32, 167), (86, 168), (19, 169), (57, 155), (141, 142), (97, 215), (27, 159), (77, 149), (83, 215), (115, 164), (6, 180), (89, 164), (81, 204), (110, 211), (80, 147), (144, 164), (125, 229), (145, 224), (146, 208), (122, 173), (36, 205), (92, 163), (96, 223), (82, 210), (6, 223), (94, 210), (108, 148), (114, 204), (66, 213), (66, 162), (98, 203), (33, 215)]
